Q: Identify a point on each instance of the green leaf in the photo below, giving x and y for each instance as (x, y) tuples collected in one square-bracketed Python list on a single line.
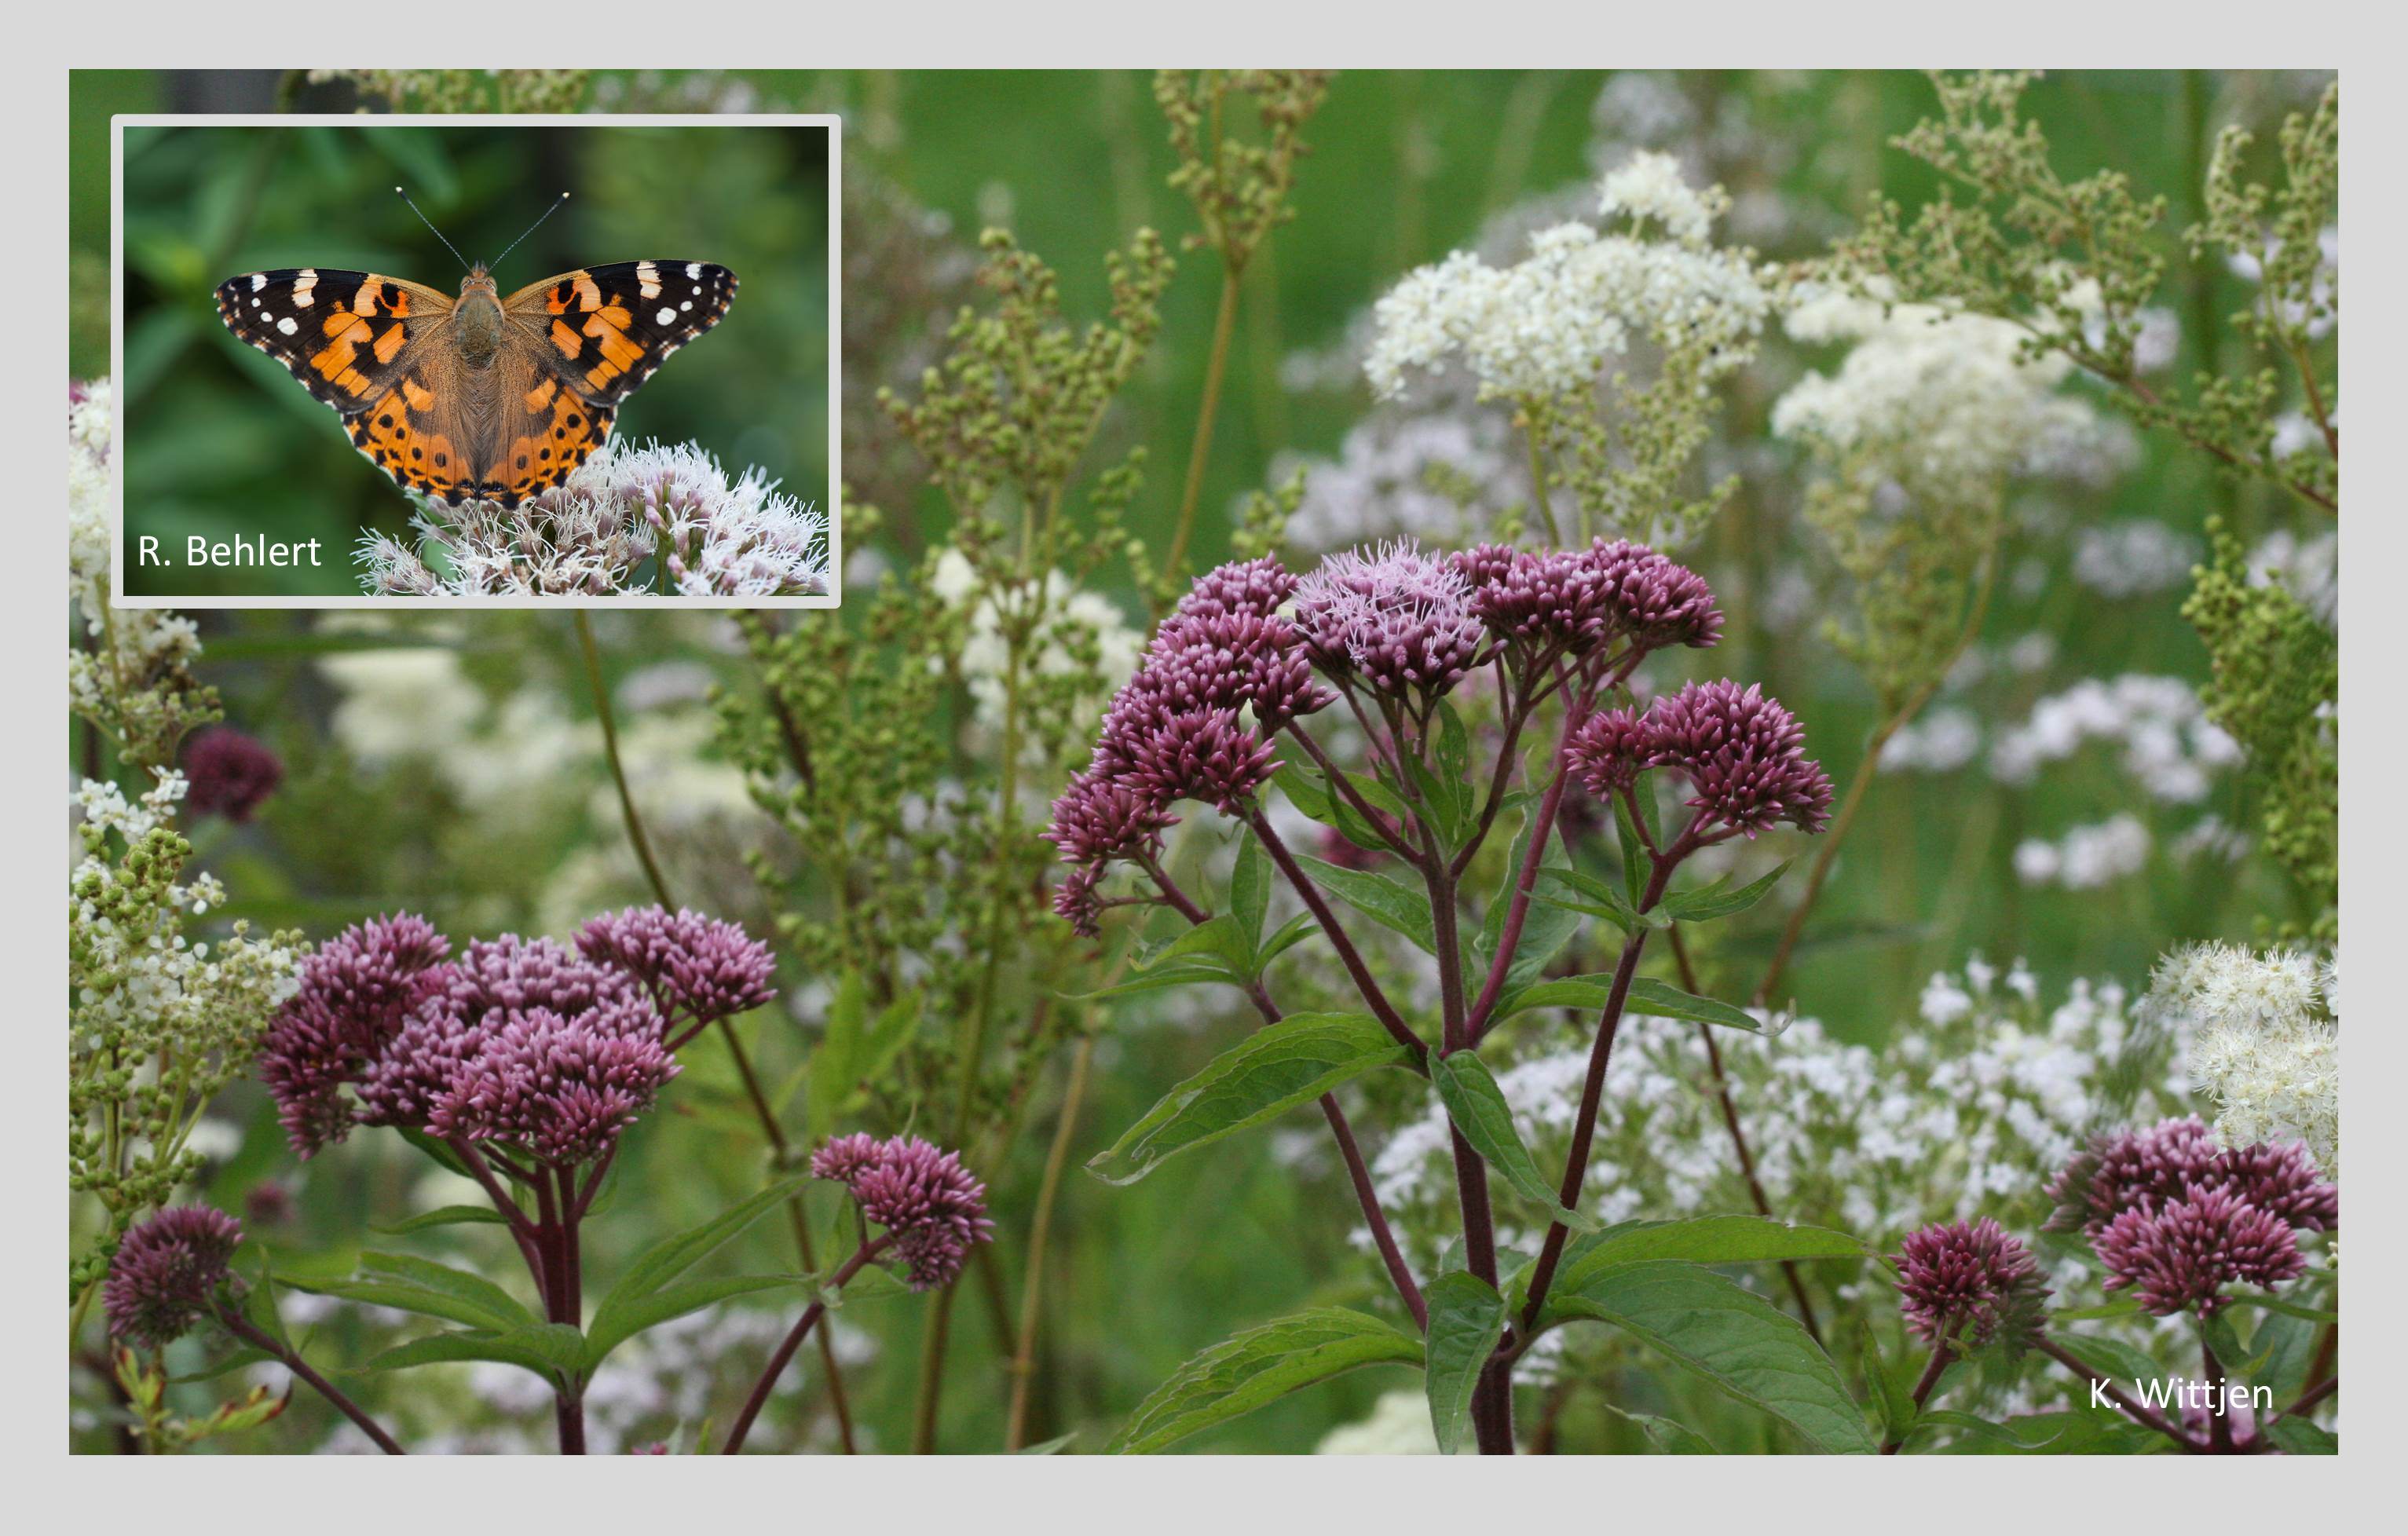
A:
[(671, 1256), (1733, 1338), (833, 1064), (1260, 1366), (1704, 1239), (2035, 1434), (1467, 1317), (1478, 1109), (1605, 901), (2299, 1436), (1263, 1076), (1711, 901), (1388, 903), (450, 1216), (1668, 1438), (1049, 1447), (1157, 980), (548, 1349), (614, 1325), (1634, 853), (427, 1288), (1661, 998), (2284, 1305), (1250, 890), (1305, 790), (434, 1149), (1215, 941)]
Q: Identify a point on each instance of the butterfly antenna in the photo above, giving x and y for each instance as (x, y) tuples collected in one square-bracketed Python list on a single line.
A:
[(438, 234), (532, 228)]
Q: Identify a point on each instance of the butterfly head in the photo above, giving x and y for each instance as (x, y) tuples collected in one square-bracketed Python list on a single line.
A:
[(478, 281)]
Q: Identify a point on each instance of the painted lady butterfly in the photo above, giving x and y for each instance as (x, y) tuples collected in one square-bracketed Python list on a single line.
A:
[(481, 397)]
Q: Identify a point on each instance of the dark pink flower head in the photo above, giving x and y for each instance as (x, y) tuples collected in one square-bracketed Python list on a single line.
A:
[(1555, 600), (1654, 600), (698, 970), (561, 1087), (511, 973), (1743, 755), (1395, 618), (1965, 1284), (1077, 903), (1095, 821), (1222, 660), (1610, 749), (165, 1270), (1242, 586), (2128, 1169), (933, 1207), (2282, 1180), (2180, 1255), (229, 774), (1209, 755), (353, 993), (415, 1070)]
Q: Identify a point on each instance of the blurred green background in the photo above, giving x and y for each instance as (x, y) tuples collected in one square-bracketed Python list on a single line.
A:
[(1404, 167), (219, 440)]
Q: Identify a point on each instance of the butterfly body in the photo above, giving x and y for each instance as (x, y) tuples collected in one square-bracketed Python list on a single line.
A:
[(485, 397)]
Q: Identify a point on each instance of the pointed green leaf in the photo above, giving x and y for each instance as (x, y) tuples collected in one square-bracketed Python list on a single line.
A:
[(424, 1287), (1388, 903), (449, 1215), (548, 1349), (1260, 1366), (1711, 901), (1664, 1000), (1476, 1107), (1732, 1338), (1263, 1076), (1667, 1437), (1249, 889), (672, 1255), (1467, 1317), (618, 1320)]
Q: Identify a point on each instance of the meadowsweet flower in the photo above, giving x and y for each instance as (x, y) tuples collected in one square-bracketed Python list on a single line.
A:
[(933, 1207), (2180, 1255), (229, 774), (2167, 744), (1549, 325), (1744, 756), (1941, 401), (1395, 618), (2262, 1039), (166, 1271), (698, 970), (1080, 632), (1966, 1284), (2086, 857)]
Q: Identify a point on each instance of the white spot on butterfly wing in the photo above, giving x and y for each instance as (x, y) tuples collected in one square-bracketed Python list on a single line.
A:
[(666, 316), (286, 325), (693, 269), (258, 281)]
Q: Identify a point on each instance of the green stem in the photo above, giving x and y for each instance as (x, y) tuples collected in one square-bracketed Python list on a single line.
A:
[(1224, 323), (618, 773), (1040, 1225)]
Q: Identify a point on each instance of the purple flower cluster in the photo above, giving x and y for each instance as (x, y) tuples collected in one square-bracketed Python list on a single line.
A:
[(1571, 600), (1966, 1284), (1394, 618), (228, 774), (1742, 754), (696, 968), (528, 1044), (931, 1206), (165, 1270), (2175, 1218)]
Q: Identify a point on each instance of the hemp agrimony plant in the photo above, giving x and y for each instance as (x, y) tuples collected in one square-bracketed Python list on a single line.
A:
[(522, 1065), (1263, 682)]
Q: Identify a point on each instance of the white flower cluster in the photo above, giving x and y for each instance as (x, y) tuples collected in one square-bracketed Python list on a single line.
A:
[(1550, 323), (2309, 568), (1439, 476), (2087, 856), (90, 425), (131, 643), (2133, 558), (1397, 1425), (1965, 1111), (714, 537), (2261, 1031), (1075, 621), (2169, 746), (1943, 403), (145, 990)]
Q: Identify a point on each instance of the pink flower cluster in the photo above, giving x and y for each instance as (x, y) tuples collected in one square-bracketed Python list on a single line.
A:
[(166, 1270), (228, 774), (530, 1044), (932, 1207), (1228, 669), (1966, 1284), (1742, 754), (2176, 1219)]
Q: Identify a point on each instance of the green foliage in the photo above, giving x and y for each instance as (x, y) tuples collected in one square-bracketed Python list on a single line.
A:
[(1240, 188), (2276, 688), (1467, 1317), (1257, 1366)]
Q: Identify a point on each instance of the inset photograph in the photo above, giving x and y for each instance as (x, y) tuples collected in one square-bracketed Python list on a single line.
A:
[(490, 358)]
